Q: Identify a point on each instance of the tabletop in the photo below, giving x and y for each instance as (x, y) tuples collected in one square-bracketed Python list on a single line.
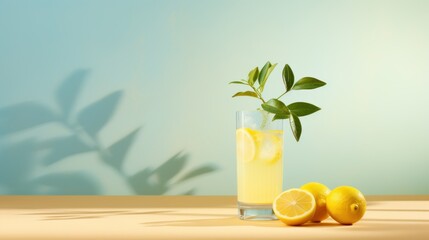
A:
[(194, 217)]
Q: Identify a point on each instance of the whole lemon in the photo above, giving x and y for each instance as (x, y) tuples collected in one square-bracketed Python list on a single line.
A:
[(346, 204), (319, 192)]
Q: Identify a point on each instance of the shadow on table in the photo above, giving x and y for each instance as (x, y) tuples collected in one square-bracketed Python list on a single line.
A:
[(70, 215), (232, 220), (215, 220), (229, 220), (212, 222), (398, 210), (396, 220)]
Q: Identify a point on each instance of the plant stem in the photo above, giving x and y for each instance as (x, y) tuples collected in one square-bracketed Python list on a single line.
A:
[(264, 119), (282, 95), (258, 93)]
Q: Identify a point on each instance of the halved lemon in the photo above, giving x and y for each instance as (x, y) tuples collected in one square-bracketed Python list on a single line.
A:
[(294, 206), (246, 147)]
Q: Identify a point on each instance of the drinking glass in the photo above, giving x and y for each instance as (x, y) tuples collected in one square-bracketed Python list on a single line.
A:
[(259, 149)]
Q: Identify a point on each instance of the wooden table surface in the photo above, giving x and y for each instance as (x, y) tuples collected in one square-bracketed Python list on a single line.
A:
[(193, 217)]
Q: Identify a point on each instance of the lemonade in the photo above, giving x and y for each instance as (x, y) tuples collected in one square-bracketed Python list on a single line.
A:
[(259, 165), (259, 149)]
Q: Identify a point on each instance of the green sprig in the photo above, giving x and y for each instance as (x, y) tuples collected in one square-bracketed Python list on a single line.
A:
[(257, 81)]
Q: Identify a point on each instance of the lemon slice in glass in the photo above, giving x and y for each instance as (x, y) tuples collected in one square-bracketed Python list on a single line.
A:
[(246, 146), (294, 206)]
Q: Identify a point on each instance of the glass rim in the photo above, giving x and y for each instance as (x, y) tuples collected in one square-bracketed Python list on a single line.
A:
[(251, 111)]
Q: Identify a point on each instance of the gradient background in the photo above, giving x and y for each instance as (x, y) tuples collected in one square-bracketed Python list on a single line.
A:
[(164, 67)]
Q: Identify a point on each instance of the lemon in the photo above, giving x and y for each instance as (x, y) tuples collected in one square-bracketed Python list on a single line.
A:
[(294, 206), (246, 146), (319, 192), (346, 204)]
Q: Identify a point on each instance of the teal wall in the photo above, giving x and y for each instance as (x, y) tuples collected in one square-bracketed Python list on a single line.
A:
[(131, 97)]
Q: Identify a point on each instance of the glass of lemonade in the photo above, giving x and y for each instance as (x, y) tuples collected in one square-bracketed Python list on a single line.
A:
[(259, 143)]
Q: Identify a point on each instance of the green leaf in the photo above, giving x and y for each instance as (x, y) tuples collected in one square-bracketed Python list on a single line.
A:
[(247, 93), (238, 82), (308, 83), (275, 106), (295, 125), (288, 77), (253, 76), (281, 116), (302, 108), (265, 73)]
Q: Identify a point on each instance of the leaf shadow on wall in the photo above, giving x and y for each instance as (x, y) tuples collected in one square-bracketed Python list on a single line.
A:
[(20, 158)]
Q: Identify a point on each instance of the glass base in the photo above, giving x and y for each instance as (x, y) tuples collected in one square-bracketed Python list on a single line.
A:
[(256, 211)]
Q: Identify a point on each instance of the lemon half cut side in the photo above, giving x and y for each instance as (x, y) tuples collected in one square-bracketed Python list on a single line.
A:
[(294, 206)]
